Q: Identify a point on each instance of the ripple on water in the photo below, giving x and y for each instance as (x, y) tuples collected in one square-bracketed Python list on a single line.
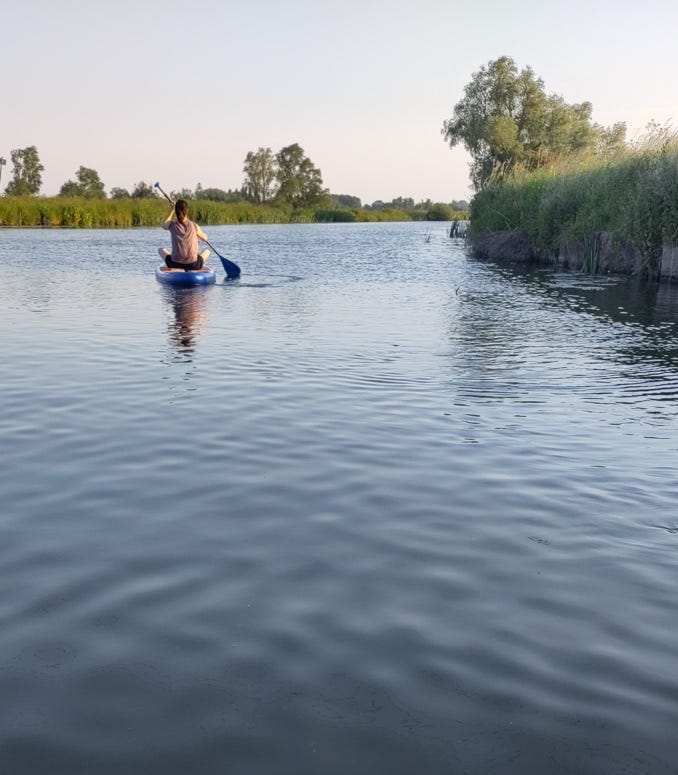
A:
[(338, 515)]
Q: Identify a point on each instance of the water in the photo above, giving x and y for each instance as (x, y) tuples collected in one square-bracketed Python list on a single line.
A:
[(375, 507)]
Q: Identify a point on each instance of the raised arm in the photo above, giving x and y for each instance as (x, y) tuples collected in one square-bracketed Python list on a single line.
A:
[(168, 219)]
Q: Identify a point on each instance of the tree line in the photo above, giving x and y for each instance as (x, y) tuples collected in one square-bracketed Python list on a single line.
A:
[(506, 120), (287, 179)]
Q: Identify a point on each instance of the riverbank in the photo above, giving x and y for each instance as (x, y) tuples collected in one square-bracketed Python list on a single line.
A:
[(73, 212), (598, 253), (620, 216)]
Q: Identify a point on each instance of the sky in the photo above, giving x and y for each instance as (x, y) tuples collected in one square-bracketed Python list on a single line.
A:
[(179, 92)]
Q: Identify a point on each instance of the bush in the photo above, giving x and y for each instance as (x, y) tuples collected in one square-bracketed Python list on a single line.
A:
[(335, 216), (439, 212)]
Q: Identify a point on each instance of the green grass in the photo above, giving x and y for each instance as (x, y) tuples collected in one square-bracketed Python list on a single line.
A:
[(80, 213), (72, 212), (633, 196)]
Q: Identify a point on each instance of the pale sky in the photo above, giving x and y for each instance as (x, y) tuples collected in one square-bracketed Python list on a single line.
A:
[(179, 92)]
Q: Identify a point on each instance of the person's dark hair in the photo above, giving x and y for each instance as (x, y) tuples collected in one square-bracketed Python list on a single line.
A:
[(181, 208)]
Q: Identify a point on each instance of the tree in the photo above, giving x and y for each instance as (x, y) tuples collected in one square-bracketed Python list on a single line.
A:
[(70, 188), (260, 175), (143, 190), (459, 204), (26, 179), (506, 119), (612, 139), (219, 195), (186, 193), (119, 193), (347, 200), (88, 185), (402, 203), (300, 181)]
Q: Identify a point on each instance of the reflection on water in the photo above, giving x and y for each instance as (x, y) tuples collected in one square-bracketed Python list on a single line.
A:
[(619, 321), (188, 316), (616, 298)]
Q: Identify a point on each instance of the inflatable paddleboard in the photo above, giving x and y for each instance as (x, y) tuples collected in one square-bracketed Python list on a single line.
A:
[(204, 276)]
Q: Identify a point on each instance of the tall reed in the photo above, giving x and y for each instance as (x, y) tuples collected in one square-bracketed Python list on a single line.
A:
[(633, 196), (72, 212)]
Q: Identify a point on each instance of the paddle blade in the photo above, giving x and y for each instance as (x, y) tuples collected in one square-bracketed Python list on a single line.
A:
[(232, 270)]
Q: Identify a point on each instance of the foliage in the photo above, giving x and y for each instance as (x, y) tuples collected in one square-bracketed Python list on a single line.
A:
[(423, 210), (70, 188), (79, 212), (346, 201), (440, 212), (337, 215), (219, 195), (212, 194), (633, 196), (297, 197), (260, 174), (299, 180), (506, 119), (385, 214), (143, 190), (399, 203), (119, 193), (27, 178), (76, 212), (88, 185), (184, 193)]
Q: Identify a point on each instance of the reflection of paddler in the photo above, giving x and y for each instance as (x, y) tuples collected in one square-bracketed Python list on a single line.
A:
[(189, 315)]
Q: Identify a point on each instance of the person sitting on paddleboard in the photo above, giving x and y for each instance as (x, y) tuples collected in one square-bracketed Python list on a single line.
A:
[(184, 235)]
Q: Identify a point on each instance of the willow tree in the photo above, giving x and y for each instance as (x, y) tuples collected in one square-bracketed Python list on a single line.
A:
[(506, 118)]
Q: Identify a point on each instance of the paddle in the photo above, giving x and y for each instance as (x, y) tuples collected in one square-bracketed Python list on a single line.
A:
[(232, 270)]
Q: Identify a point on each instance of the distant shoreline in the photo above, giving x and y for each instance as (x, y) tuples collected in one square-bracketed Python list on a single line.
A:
[(72, 213)]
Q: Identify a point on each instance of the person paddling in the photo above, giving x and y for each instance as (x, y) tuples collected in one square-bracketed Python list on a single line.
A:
[(185, 236)]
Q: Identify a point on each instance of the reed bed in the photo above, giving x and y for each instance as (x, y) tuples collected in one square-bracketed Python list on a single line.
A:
[(72, 212), (343, 215), (633, 196)]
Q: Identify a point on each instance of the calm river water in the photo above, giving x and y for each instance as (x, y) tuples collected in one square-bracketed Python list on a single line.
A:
[(376, 507)]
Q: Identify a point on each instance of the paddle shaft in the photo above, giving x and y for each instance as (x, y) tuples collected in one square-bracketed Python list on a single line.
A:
[(157, 185)]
